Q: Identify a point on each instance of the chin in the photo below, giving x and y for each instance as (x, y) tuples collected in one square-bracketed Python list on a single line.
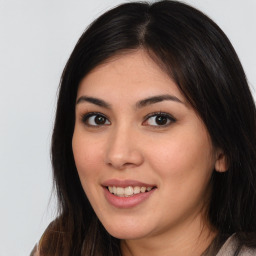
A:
[(126, 232), (126, 235)]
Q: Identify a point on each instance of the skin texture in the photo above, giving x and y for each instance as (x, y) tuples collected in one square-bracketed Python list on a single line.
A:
[(178, 157)]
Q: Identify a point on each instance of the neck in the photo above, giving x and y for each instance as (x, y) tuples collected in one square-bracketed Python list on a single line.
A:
[(190, 240)]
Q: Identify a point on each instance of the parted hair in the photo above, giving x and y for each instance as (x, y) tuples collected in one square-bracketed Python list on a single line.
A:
[(198, 56)]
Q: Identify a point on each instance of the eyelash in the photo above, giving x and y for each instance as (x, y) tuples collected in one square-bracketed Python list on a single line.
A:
[(170, 118), (85, 119)]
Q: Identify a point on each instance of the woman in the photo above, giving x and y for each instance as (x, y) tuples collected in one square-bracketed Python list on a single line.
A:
[(154, 144)]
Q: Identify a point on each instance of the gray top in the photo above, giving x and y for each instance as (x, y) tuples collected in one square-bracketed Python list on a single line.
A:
[(229, 248)]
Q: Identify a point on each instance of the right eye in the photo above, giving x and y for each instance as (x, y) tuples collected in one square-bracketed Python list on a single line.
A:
[(95, 119)]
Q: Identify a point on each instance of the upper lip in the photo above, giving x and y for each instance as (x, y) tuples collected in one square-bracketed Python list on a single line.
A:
[(125, 183)]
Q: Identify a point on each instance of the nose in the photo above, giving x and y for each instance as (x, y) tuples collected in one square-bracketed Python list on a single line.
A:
[(123, 149)]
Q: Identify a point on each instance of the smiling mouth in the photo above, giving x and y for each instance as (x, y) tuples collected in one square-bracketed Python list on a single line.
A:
[(128, 191)]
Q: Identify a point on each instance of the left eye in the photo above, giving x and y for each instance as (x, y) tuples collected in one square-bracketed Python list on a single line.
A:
[(159, 120), (95, 120)]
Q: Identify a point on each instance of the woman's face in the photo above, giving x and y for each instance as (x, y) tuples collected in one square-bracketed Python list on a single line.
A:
[(143, 155)]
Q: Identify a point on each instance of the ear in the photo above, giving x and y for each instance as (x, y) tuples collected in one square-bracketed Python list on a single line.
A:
[(221, 164)]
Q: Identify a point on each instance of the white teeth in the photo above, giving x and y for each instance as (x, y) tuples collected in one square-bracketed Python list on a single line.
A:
[(136, 190), (120, 191), (128, 191), (143, 189)]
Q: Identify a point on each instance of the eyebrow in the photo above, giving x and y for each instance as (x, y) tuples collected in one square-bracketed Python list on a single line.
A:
[(139, 104), (94, 101), (156, 99)]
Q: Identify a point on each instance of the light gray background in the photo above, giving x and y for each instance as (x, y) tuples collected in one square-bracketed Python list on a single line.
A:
[(36, 38)]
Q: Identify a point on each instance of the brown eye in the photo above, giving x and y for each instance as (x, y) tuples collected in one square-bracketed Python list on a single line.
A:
[(99, 120), (159, 119), (95, 120)]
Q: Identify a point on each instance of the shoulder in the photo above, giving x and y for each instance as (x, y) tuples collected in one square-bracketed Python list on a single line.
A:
[(51, 241), (35, 251), (233, 247)]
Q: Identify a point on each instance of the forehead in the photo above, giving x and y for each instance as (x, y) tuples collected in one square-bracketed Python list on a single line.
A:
[(131, 74)]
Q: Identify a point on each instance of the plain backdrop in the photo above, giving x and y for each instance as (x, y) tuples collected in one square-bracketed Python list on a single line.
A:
[(36, 39)]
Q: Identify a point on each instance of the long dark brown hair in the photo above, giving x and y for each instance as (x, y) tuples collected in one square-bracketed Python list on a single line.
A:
[(198, 56)]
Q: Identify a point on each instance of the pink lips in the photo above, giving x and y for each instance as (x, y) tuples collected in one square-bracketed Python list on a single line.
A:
[(125, 183), (126, 202)]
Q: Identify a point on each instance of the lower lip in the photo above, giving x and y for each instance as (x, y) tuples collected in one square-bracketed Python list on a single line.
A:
[(126, 202)]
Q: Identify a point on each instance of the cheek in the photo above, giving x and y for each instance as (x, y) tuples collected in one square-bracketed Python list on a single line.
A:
[(88, 163), (183, 159), (184, 169), (87, 156)]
